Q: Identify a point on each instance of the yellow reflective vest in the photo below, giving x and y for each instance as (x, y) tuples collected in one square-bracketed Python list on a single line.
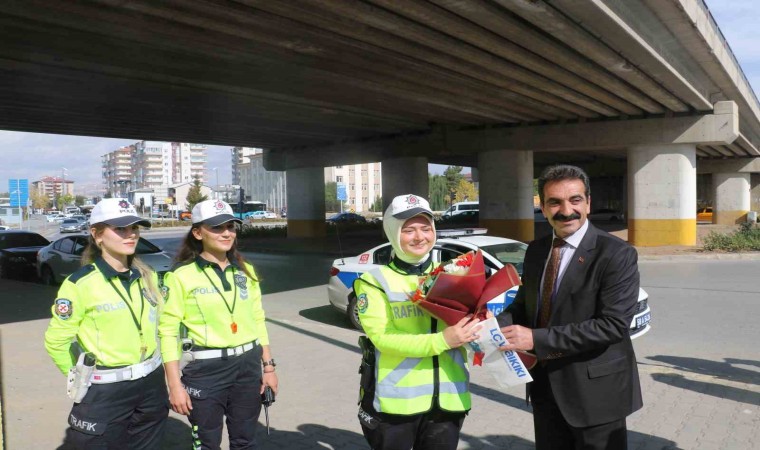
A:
[(92, 306), (414, 366), (220, 309)]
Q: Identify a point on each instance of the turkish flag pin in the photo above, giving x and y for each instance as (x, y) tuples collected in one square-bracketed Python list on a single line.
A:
[(581, 259)]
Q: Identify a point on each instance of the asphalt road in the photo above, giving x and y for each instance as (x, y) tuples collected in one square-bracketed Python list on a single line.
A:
[(699, 363)]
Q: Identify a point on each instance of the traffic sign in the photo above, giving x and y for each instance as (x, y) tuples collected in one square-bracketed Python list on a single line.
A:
[(18, 189), (341, 191)]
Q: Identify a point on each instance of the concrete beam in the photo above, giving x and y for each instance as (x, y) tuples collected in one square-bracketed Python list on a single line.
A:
[(719, 128), (743, 165)]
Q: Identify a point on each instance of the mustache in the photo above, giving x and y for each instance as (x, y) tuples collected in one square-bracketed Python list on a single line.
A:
[(563, 218)]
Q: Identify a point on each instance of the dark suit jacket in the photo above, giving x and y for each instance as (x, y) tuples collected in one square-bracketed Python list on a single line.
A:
[(586, 349)]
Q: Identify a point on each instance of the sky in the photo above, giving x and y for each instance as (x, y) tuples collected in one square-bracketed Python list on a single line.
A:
[(34, 155)]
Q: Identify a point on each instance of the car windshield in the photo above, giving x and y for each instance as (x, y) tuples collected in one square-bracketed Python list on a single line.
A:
[(70, 222), (508, 253), (145, 247), (11, 240)]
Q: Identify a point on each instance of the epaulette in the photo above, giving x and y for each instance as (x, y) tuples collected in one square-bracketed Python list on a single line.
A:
[(180, 264), (81, 272)]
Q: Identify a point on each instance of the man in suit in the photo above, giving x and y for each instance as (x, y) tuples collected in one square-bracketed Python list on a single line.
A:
[(579, 294)]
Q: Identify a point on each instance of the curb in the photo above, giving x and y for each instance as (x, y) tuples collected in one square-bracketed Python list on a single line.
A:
[(748, 256)]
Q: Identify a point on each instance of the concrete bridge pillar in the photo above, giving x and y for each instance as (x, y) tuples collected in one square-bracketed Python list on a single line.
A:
[(732, 197), (306, 202), (662, 198), (506, 193), (754, 193), (408, 175)]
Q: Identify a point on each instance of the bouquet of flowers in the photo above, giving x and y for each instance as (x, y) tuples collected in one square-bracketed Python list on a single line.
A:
[(459, 287)]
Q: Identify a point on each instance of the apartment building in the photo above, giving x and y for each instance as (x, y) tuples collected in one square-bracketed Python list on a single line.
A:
[(53, 186), (363, 184), (153, 165), (241, 155)]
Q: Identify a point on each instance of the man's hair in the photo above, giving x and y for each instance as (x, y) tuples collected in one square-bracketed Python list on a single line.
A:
[(562, 172)]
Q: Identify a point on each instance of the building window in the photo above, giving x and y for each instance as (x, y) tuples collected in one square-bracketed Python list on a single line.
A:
[(338, 167), (338, 179), (351, 187)]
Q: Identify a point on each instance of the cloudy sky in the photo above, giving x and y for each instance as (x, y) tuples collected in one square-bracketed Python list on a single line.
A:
[(34, 155)]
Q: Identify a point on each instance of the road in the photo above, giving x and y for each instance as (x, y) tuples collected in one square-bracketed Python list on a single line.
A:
[(699, 365)]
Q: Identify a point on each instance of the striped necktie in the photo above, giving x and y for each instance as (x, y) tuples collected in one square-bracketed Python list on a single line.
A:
[(550, 278)]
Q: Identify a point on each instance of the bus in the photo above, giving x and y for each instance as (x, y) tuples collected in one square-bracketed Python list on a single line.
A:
[(249, 208)]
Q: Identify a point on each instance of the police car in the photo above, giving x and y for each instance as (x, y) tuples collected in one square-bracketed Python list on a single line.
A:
[(497, 251)]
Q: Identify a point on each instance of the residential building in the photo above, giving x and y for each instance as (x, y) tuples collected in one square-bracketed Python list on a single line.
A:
[(153, 165), (262, 185), (54, 186), (363, 184), (241, 155), (117, 168)]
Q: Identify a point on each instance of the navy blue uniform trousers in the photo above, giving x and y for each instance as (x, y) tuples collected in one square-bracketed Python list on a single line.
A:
[(228, 387)]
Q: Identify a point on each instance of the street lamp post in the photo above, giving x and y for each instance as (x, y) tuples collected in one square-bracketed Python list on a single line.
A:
[(216, 172)]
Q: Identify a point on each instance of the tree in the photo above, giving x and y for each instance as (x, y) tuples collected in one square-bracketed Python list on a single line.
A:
[(465, 192), (453, 175), (65, 200), (331, 196), (40, 200), (194, 195), (438, 193), (377, 206), (80, 200)]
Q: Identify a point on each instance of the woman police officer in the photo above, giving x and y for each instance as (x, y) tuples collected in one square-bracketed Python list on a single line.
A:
[(111, 305), (214, 294), (420, 393)]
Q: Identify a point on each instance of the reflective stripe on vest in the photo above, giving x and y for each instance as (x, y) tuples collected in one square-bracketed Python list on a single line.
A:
[(387, 387), (391, 295)]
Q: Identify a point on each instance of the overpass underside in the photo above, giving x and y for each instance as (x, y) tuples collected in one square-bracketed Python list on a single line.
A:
[(507, 86)]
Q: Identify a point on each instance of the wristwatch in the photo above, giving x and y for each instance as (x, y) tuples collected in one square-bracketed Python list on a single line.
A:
[(268, 363)]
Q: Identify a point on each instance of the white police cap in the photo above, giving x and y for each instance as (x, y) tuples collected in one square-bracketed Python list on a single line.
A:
[(117, 212), (213, 213), (409, 205)]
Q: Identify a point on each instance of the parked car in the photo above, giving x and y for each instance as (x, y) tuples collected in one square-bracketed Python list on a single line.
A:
[(63, 257), (346, 217), (18, 253), (460, 207), (4, 227), (71, 226), (464, 218), (262, 215), (54, 218), (497, 251), (607, 215), (704, 215)]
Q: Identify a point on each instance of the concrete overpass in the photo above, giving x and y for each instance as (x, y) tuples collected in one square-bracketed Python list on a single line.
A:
[(506, 86)]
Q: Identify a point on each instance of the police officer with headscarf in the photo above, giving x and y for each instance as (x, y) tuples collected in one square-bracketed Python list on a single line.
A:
[(419, 393)]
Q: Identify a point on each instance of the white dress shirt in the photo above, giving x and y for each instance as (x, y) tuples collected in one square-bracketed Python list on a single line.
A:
[(566, 253)]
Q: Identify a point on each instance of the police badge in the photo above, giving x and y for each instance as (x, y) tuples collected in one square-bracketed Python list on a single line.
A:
[(241, 281), (165, 292)]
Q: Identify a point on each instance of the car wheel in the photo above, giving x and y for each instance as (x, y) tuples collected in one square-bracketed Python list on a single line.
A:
[(47, 277), (353, 313)]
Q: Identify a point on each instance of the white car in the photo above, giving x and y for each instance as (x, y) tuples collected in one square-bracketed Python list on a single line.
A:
[(497, 251)]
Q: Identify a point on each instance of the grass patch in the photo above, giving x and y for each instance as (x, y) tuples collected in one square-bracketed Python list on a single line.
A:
[(746, 238)]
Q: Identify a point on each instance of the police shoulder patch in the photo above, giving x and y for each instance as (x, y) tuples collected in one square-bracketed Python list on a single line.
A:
[(362, 303), (240, 280), (81, 273), (63, 308)]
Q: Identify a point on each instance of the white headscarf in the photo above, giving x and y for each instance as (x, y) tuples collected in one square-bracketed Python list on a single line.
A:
[(392, 227)]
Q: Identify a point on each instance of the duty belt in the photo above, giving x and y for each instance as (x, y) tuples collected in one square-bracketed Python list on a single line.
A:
[(224, 352), (133, 372)]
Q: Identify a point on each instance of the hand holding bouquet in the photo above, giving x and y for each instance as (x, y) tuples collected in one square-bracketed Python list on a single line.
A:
[(459, 288)]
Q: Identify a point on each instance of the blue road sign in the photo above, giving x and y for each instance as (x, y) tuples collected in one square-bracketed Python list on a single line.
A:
[(342, 196), (18, 189)]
